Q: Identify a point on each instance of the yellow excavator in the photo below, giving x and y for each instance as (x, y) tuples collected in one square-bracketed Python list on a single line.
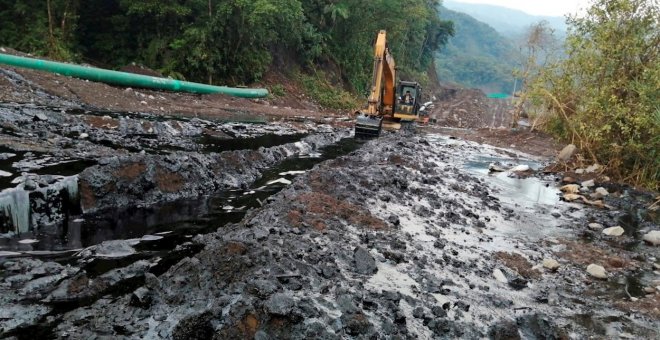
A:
[(389, 106)]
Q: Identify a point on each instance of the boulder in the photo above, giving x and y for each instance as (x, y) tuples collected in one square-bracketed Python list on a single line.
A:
[(592, 168), (595, 226), (520, 168), (566, 153), (499, 276), (597, 271), (280, 304), (570, 188), (571, 197), (496, 167), (364, 262), (588, 184), (614, 231), (602, 191), (550, 264), (652, 237)]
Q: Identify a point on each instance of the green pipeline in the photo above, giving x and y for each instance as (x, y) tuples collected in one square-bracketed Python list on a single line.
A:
[(127, 79)]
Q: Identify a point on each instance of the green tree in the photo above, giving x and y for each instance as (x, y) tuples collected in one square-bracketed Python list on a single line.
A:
[(605, 94), (42, 27), (538, 49)]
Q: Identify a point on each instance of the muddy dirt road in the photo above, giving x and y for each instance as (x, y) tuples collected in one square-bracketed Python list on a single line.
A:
[(132, 224)]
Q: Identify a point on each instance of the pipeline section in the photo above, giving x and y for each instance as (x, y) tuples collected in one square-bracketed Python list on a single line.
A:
[(127, 79)]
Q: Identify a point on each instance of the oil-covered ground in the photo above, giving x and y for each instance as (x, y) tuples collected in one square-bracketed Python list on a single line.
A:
[(118, 224)]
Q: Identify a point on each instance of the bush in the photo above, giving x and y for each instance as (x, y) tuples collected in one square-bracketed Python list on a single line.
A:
[(278, 90), (606, 92), (321, 91)]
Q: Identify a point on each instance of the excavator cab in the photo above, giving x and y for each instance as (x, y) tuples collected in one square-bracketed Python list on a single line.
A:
[(409, 98)]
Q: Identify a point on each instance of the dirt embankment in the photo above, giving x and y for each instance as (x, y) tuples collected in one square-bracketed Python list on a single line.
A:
[(41, 88), (469, 108)]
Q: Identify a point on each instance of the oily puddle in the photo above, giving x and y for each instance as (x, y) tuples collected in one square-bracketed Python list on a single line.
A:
[(529, 190), (174, 222), (14, 163), (532, 203), (211, 143)]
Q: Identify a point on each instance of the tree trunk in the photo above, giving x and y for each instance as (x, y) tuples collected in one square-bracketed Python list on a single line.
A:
[(51, 35)]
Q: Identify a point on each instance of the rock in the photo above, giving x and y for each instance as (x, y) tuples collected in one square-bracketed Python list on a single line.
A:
[(364, 262), (496, 167), (463, 306), (570, 188), (280, 304), (518, 283), (588, 184), (568, 179), (141, 298), (652, 237), (438, 312), (597, 271), (566, 153), (418, 312), (29, 185), (356, 324), (520, 168), (595, 226), (507, 329), (394, 219), (579, 171), (346, 304), (499, 276), (263, 288), (109, 249), (649, 290), (550, 264), (571, 197), (592, 168), (614, 231), (602, 191), (40, 116), (83, 135)]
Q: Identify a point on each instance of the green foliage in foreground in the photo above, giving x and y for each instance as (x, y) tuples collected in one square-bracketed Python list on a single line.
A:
[(605, 95), (226, 41)]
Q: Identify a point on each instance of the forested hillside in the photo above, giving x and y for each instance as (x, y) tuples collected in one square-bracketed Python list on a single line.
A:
[(507, 21), (226, 41), (477, 56)]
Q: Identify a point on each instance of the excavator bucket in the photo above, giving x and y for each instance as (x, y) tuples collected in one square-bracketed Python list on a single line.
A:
[(368, 126)]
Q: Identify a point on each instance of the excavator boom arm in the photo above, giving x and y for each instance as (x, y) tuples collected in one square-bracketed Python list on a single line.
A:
[(382, 96)]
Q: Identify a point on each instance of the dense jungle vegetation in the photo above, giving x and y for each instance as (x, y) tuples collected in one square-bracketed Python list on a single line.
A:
[(477, 55), (227, 41)]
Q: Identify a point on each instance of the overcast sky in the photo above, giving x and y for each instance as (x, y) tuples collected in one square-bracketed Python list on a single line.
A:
[(538, 7)]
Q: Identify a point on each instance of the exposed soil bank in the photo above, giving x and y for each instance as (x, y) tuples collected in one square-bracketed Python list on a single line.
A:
[(148, 179)]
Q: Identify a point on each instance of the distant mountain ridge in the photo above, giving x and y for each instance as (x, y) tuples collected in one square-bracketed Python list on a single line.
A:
[(477, 55), (507, 21)]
